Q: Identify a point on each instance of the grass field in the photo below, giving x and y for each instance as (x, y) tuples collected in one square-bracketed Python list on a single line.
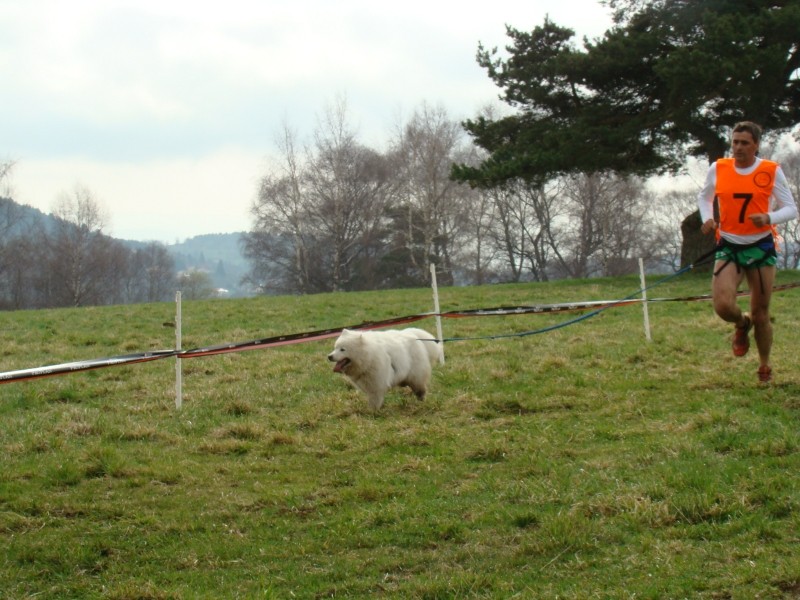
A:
[(580, 463)]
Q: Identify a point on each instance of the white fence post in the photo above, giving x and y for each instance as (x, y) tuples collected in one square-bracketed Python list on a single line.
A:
[(439, 335), (178, 362), (644, 301)]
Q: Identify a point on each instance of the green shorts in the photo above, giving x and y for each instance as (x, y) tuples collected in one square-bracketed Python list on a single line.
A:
[(760, 254)]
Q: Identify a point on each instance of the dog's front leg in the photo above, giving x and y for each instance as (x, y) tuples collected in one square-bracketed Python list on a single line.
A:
[(375, 401)]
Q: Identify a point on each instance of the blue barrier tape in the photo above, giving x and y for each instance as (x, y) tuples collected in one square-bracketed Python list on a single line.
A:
[(626, 300), (599, 306)]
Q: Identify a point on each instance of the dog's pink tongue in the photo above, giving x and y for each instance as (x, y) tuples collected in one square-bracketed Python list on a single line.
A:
[(337, 368)]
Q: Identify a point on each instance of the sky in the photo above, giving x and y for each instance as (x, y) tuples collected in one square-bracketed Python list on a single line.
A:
[(167, 111)]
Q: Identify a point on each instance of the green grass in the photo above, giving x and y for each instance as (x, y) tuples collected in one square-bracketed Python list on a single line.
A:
[(581, 463)]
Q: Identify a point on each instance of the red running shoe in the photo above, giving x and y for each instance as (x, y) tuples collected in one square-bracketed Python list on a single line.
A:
[(765, 373), (741, 339)]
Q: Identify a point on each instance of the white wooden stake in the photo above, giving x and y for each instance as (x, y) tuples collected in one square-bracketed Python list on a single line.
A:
[(644, 302), (439, 335), (178, 362)]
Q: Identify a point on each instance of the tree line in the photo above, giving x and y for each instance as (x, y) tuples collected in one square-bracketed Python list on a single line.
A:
[(67, 260), (335, 214), (668, 80), (556, 183), (556, 186)]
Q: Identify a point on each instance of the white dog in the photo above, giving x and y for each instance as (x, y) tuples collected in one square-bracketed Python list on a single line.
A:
[(376, 361)]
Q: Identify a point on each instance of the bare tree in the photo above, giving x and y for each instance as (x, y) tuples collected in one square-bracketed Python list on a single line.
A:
[(584, 229), (150, 274), (10, 217), (79, 252), (24, 281), (7, 246), (790, 232), (509, 228), (486, 234), (5, 171), (628, 234), (278, 245), (427, 146), (320, 216), (665, 216), (349, 188), (525, 232), (607, 226), (72, 262), (195, 284), (479, 250)]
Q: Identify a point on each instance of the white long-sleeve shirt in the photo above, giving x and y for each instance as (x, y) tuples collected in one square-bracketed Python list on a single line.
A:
[(782, 205)]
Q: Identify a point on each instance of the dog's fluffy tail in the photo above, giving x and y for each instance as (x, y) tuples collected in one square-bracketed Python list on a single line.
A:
[(437, 356), (434, 349)]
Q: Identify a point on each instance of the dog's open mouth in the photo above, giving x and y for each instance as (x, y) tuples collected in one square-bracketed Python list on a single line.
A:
[(339, 366)]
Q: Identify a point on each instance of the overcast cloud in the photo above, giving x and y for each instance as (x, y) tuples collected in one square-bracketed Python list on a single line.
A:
[(167, 111)]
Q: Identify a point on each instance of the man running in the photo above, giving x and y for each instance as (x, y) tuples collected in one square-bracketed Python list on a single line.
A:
[(753, 196)]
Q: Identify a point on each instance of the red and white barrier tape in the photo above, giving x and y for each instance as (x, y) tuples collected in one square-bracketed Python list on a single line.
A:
[(313, 336)]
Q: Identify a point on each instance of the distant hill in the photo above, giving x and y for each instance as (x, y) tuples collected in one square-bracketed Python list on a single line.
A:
[(219, 254), (21, 217)]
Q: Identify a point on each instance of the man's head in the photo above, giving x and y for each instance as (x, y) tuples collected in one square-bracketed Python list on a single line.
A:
[(744, 143)]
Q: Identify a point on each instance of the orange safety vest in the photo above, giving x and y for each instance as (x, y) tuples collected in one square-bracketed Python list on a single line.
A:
[(743, 195)]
